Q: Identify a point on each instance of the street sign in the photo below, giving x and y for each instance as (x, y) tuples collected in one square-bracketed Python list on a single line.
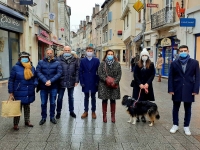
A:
[(187, 22), (138, 6), (52, 17), (152, 5), (26, 2)]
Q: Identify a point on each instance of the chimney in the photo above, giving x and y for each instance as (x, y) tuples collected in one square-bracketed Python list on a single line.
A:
[(96, 8), (79, 26), (81, 23), (84, 23), (93, 11), (87, 19)]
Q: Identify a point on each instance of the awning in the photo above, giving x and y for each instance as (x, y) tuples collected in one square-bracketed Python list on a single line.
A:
[(11, 12), (55, 43), (138, 37), (44, 40)]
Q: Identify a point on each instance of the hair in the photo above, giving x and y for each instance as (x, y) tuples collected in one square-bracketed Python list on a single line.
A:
[(148, 62), (160, 55), (67, 46), (104, 58), (183, 46), (89, 47)]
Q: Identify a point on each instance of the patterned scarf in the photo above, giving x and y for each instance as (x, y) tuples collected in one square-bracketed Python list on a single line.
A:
[(184, 60), (27, 70), (109, 62), (68, 58)]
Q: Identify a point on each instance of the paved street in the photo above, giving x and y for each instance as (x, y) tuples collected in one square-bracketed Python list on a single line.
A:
[(91, 134)]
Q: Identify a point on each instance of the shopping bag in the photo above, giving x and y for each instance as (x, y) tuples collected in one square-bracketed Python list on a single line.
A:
[(11, 108)]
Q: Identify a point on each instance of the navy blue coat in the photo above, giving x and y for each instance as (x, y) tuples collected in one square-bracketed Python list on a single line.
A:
[(88, 75), (184, 84), (22, 89), (48, 71), (70, 74)]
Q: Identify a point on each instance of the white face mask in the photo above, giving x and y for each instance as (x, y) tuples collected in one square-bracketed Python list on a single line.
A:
[(89, 54), (144, 58)]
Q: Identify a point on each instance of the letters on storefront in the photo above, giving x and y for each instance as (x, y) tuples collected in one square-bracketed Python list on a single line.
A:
[(166, 42)]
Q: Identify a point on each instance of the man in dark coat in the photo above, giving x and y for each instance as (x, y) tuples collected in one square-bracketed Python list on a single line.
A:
[(69, 79), (183, 85), (89, 80), (48, 72)]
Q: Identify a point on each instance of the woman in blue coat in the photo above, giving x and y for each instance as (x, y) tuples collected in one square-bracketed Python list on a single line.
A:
[(21, 86)]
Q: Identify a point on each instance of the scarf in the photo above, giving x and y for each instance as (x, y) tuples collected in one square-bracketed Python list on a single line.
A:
[(109, 62), (68, 58), (183, 61), (27, 70)]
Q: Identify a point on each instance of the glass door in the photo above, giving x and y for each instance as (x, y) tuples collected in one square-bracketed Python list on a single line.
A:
[(167, 60)]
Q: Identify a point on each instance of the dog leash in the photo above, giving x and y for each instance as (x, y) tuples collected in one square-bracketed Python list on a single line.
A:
[(146, 91)]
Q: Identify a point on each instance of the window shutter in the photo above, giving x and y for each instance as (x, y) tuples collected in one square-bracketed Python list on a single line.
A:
[(110, 34), (110, 16)]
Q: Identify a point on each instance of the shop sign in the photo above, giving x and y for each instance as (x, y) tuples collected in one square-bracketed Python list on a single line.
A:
[(152, 5), (25, 2), (166, 42), (179, 10), (44, 33), (11, 23), (52, 17), (187, 22), (138, 6)]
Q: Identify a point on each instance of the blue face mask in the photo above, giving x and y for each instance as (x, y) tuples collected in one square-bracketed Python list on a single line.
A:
[(24, 60), (183, 54), (110, 57), (67, 54)]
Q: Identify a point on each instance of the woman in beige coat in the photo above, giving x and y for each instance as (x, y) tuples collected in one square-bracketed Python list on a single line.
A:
[(159, 64)]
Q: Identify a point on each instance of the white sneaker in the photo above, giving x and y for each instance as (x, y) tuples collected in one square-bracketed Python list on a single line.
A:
[(174, 129), (187, 130)]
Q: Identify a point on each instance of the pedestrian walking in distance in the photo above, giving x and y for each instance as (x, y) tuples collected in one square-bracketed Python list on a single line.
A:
[(159, 64), (89, 80), (48, 72), (109, 67), (69, 79), (183, 85), (144, 74), (21, 86)]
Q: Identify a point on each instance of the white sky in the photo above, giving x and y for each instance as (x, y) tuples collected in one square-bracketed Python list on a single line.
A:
[(80, 9)]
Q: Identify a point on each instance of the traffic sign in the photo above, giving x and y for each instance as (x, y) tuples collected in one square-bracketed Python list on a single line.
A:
[(138, 6), (187, 22), (152, 5)]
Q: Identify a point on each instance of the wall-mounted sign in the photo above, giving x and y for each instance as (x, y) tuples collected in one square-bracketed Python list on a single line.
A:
[(179, 10), (25, 2), (187, 22), (52, 17), (10, 23), (166, 42), (152, 5), (138, 6), (44, 33), (62, 29)]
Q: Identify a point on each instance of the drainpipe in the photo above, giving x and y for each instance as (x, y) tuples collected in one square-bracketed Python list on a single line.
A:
[(144, 23)]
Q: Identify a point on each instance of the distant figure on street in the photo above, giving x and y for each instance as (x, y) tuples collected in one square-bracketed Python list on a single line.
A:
[(159, 64), (48, 72), (89, 80), (69, 79), (111, 67), (82, 55), (21, 86), (132, 63), (144, 74), (183, 85)]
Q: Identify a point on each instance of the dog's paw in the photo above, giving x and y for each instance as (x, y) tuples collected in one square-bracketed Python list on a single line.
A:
[(129, 121), (151, 124), (134, 123)]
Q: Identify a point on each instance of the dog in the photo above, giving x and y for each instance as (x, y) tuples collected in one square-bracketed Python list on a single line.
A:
[(140, 108)]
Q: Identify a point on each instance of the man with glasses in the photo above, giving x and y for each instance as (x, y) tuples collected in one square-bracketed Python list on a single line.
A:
[(183, 85)]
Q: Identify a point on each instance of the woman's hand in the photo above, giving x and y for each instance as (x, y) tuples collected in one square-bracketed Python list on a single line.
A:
[(141, 86), (146, 86)]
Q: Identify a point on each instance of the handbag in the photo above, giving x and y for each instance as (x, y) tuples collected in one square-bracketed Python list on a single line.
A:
[(110, 81), (11, 108), (132, 83)]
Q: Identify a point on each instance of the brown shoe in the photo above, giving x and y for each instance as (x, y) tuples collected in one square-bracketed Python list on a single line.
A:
[(94, 115), (16, 127), (84, 115), (28, 124)]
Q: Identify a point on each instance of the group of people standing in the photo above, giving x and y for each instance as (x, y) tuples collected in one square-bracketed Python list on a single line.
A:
[(53, 76)]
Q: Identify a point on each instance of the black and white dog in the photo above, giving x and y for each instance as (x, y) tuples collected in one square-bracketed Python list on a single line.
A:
[(140, 108)]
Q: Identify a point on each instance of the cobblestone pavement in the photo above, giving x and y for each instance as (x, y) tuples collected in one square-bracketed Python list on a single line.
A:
[(89, 134)]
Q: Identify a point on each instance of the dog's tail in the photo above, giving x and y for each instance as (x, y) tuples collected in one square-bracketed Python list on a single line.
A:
[(153, 112), (157, 116)]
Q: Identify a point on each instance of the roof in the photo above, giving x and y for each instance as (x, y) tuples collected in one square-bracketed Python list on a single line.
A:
[(106, 1)]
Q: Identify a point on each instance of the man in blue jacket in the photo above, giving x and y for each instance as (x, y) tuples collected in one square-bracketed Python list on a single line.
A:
[(48, 72), (183, 85), (69, 79), (89, 80)]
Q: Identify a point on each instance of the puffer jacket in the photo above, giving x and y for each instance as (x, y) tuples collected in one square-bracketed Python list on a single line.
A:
[(70, 69), (48, 71), (22, 89)]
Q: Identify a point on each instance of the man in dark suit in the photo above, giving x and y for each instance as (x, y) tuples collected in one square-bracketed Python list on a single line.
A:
[(89, 80), (183, 85)]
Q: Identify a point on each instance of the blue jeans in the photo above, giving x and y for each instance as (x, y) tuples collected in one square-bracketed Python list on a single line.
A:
[(187, 107), (93, 101), (44, 99), (61, 92)]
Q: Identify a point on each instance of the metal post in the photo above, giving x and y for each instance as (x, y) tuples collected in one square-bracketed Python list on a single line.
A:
[(144, 23)]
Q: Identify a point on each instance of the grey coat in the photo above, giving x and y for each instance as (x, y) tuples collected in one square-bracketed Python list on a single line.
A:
[(114, 71)]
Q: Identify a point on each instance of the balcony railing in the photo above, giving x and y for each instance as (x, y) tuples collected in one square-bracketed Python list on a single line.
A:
[(163, 17)]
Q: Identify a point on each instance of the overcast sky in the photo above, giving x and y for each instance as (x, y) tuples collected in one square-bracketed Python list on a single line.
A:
[(80, 9)]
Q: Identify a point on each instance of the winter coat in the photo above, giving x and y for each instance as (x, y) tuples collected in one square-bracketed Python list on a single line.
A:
[(159, 63), (88, 75), (184, 84), (114, 71), (48, 71), (143, 76), (22, 89), (70, 74)]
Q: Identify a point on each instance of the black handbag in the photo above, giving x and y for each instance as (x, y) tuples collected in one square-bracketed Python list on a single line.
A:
[(132, 83)]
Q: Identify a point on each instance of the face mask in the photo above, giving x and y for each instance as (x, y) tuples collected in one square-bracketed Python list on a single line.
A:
[(89, 54), (24, 60), (49, 57), (110, 57), (144, 58), (183, 54), (67, 54)]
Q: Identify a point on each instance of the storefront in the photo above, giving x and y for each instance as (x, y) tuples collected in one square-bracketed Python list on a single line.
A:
[(11, 26)]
